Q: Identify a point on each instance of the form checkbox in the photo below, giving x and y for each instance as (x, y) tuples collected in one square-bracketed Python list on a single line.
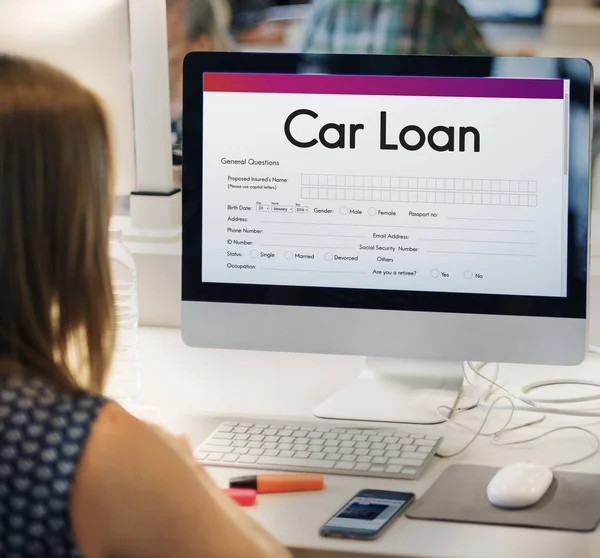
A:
[(395, 196), (468, 184), (449, 183), (468, 197), (449, 197), (412, 196), (314, 193), (377, 182), (395, 182), (486, 199), (477, 199), (422, 183), (495, 185), (477, 185), (376, 195), (349, 194), (314, 179), (404, 183), (440, 197), (523, 200), (440, 183), (305, 180), (368, 181), (350, 181), (533, 187), (322, 180), (359, 181), (422, 197), (431, 197), (385, 182), (331, 180), (340, 194), (385, 195), (514, 186), (486, 185), (495, 199), (322, 193), (341, 180), (505, 186), (504, 199), (358, 195), (331, 194), (403, 196), (458, 197), (305, 193), (367, 195), (413, 183), (523, 186), (459, 184), (533, 201), (431, 183), (514, 199)]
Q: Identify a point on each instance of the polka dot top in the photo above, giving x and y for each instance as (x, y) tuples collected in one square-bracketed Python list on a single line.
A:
[(42, 434)]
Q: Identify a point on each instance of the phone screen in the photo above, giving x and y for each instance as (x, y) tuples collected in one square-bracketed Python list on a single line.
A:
[(367, 513)]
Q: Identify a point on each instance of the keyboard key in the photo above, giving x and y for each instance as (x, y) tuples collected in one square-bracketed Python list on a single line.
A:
[(255, 430), (392, 454), (394, 469), (390, 440), (219, 442), (286, 432), (364, 459), (228, 424), (405, 462), (344, 465), (231, 458), (272, 453), (393, 447), (303, 447), (333, 456), (406, 441), (242, 437), (308, 463), (360, 438), (322, 429), (362, 467), (435, 438), (314, 442), (217, 449), (248, 459), (376, 453), (318, 455), (240, 430), (424, 449), (409, 471), (353, 431), (412, 455), (270, 432), (330, 436), (287, 454), (426, 443), (378, 446), (347, 444), (332, 443), (274, 439), (241, 451), (269, 445), (345, 437), (201, 455), (246, 424), (254, 445), (256, 451), (257, 438), (284, 446), (417, 436), (261, 426), (377, 469), (362, 445), (361, 451), (239, 444), (375, 439), (345, 451), (214, 456), (315, 434), (302, 454), (411, 447), (223, 436), (287, 440), (349, 457), (299, 434), (379, 460)]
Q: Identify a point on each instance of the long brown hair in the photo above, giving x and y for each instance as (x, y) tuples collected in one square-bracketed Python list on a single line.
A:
[(56, 303)]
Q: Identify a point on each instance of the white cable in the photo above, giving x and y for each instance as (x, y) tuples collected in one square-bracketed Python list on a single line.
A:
[(478, 432), (532, 407), (554, 431)]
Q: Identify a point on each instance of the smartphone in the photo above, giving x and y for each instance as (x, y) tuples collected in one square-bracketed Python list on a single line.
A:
[(367, 514)]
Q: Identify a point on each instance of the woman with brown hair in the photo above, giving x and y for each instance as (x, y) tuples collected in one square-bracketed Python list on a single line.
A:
[(78, 475)]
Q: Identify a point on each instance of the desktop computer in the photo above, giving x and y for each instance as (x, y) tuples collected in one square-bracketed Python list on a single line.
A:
[(419, 211)]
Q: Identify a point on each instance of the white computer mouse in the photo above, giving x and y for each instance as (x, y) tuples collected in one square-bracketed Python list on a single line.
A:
[(520, 485)]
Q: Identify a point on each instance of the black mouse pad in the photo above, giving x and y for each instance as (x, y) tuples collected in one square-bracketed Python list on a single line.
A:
[(571, 504)]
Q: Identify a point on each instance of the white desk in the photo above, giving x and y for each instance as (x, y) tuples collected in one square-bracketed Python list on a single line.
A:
[(179, 383)]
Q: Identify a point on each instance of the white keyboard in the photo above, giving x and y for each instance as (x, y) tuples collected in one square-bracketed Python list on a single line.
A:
[(372, 452)]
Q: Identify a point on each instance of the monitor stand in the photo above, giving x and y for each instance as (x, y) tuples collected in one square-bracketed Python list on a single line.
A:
[(397, 390)]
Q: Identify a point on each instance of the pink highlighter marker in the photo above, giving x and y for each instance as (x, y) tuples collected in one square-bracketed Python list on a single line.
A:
[(243, 496)]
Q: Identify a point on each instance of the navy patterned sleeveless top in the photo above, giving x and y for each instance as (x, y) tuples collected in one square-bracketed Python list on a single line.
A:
[(42, 434)]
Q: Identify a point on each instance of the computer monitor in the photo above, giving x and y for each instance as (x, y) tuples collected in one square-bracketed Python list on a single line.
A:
[(528, 11), (117, 48), (419, 211)]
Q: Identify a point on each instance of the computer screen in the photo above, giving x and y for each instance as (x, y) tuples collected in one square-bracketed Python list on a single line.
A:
[(432, 207), (386, 183), (505, 10)]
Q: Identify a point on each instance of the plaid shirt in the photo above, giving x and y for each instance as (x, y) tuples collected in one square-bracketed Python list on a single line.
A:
[(392, 27)]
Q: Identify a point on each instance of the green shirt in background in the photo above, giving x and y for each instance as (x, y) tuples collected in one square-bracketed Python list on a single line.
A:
[(392, 27)]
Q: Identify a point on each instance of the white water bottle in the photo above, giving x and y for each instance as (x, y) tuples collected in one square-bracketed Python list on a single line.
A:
[(124, 381)]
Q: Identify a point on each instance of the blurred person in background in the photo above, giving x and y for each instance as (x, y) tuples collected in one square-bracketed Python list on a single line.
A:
[(79, 476), (392, 27), (193, 25)]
